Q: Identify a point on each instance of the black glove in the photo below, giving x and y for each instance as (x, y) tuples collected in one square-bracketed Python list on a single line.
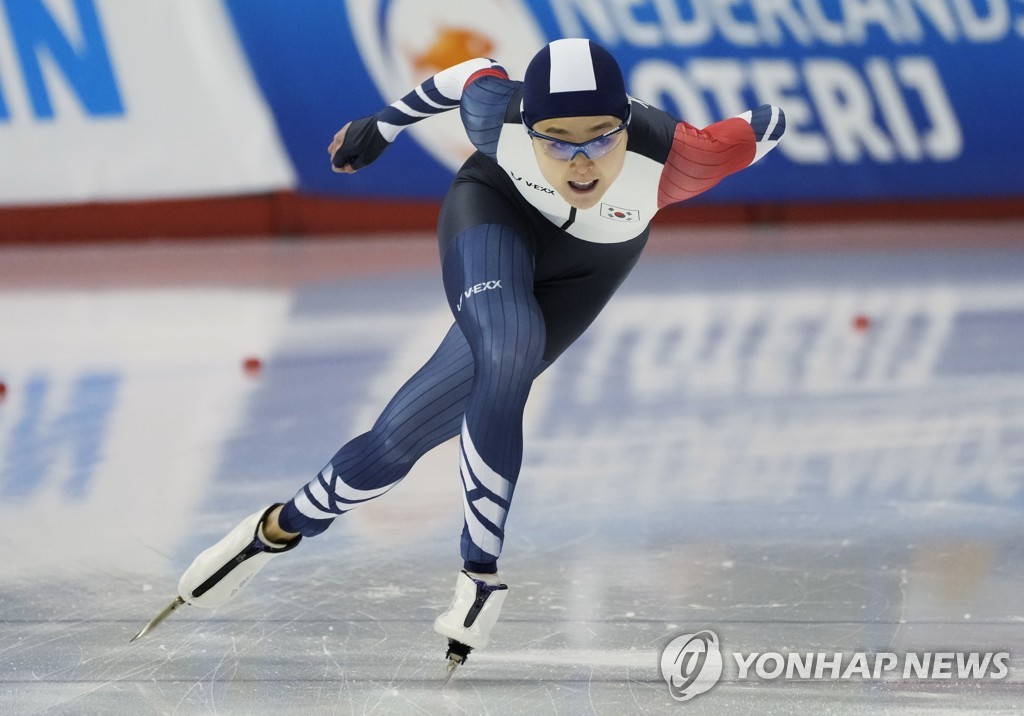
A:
[(363, 144)]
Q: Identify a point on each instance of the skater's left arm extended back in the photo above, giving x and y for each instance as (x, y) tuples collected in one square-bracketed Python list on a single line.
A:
[(361, 142)]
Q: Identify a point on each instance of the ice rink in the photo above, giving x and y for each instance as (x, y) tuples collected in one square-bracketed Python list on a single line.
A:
[(800, 438)]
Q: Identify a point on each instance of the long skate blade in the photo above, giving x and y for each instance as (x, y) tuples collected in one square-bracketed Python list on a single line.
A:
[(456, 654), (155, 621), (453, 664)]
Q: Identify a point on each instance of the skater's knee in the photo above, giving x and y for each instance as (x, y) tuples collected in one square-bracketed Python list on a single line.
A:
[(380, 457), (389, 457), (516, 360)]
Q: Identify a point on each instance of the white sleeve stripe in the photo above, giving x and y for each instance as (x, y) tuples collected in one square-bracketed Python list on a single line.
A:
[(763, 148), (766, 144), (450, 82), (407, 110), (771, 125), (388, 131), (423, 96)]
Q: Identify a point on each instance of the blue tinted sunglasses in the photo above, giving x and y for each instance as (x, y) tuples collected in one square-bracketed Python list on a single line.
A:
[(592, 149)]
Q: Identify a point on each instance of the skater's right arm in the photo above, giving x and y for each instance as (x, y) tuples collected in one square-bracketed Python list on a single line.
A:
[(359, 143)]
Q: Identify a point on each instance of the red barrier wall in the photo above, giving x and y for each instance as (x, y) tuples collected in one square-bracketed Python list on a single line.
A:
[(289, 214)]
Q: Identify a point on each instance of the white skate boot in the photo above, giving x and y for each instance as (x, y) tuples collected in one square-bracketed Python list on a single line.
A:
[(473, 612), (220, 572)]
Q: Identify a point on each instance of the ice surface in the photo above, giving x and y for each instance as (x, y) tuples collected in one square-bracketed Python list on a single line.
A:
[(723, 450)]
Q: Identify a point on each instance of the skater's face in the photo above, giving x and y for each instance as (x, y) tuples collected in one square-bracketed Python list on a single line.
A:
[(583, 174)]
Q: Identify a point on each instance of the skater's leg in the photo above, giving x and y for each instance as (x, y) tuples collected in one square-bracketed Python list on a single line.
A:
[(425, 412), (488, 276), (567, 305)]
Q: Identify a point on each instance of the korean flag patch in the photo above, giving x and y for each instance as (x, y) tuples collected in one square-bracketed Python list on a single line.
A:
[(617, 214)]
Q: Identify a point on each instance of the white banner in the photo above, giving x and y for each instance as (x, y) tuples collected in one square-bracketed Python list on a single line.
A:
[(106, 100)]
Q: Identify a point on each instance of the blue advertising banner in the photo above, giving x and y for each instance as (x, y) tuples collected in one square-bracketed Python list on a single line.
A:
[(885, 99)]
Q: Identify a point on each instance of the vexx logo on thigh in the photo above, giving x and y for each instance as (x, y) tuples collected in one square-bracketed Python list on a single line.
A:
[(478, 288)]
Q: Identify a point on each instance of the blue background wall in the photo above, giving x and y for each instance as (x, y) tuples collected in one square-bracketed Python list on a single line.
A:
[(885, 100)]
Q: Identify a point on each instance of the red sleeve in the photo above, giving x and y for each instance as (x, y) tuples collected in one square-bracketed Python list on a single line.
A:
[(488, 72), (700, 158)]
